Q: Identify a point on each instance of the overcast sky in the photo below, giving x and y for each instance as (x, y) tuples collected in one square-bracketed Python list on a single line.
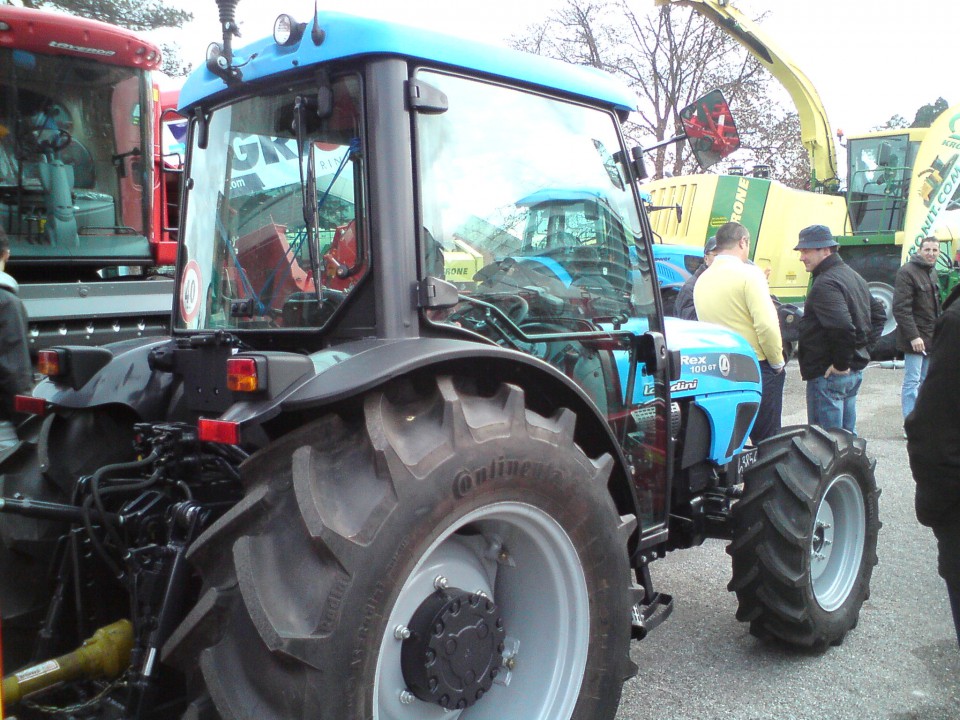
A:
[(868, 59)]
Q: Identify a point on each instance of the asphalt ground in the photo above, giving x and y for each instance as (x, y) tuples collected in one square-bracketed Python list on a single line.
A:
[(900, 663)]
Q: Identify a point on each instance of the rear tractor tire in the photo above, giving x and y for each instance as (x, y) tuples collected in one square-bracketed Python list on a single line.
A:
[(446, 554), (805, 537)]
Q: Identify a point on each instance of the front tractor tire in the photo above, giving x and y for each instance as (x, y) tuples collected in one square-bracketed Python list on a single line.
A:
[(442, 554), (805, 537)]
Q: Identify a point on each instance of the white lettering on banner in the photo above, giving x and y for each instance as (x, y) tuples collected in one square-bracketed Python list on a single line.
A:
[(272, 162), (944, 193), (739, 202)]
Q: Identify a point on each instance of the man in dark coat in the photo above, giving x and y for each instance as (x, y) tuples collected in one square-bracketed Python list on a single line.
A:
[(916, 307), (16, 373), (840, 322), (683, 306), (933, 444)]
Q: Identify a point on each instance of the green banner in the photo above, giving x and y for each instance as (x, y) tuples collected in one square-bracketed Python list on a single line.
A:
[(740, 199), (935, 179)]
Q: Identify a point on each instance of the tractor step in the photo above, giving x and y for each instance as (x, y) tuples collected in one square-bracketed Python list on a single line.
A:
[(648, 615)]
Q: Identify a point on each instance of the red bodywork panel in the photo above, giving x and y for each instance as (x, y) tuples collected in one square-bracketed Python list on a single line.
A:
[(342, 253), (52, 34), (265, 257)]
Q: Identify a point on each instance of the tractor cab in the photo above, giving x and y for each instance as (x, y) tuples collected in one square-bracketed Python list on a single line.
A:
[(879, 170)]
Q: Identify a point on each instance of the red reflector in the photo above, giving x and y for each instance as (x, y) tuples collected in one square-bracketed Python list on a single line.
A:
[(166, 253), (30, 405), (219, 431), (242, 375), (48, 363)]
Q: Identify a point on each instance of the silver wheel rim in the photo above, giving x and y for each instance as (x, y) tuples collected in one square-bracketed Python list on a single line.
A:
[(529, 567), (884, 293), (836, 549)]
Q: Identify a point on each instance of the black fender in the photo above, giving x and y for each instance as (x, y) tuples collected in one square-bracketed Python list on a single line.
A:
[(126, 380), (354, 368)]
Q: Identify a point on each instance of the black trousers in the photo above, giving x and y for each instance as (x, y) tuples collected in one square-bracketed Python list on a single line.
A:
[(948, 563)]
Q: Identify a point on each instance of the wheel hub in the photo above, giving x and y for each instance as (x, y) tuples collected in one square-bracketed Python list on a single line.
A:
[(454, 650)]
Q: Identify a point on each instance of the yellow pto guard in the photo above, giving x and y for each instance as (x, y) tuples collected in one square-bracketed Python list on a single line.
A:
[(104, 656)]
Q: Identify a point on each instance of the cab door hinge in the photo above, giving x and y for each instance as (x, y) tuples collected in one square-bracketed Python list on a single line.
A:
[(425, 98), (435, 293)]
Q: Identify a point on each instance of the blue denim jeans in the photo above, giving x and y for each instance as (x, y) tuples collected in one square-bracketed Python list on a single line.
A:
[(832, 401), (914, 371)]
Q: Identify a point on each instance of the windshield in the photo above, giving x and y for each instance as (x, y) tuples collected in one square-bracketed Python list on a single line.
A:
[(72, 172), (253, 260), (879, 178)]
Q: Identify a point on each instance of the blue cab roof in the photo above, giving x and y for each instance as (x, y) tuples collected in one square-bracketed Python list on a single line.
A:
[(348, 36)]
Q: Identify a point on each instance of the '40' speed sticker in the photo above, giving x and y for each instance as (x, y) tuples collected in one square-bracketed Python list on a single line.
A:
[(190, 285)]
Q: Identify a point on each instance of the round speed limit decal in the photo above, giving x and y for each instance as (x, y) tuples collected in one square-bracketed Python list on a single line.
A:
[(190, 285)]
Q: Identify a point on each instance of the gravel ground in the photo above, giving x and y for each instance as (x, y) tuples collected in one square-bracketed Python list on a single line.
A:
[(900, 663)]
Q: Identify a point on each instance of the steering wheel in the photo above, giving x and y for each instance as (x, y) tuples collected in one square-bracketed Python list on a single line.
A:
[(32, 141)]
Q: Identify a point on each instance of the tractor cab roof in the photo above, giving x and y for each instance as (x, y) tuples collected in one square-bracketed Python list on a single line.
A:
[(347, 37)]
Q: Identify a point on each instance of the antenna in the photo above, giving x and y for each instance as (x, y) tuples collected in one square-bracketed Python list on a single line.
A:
[(316, 32), (220, 56)]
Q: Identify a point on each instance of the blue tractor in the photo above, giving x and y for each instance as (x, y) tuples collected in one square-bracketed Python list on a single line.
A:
[(347, 486)]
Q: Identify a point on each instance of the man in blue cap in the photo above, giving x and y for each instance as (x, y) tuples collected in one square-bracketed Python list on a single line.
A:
[(841, 322)]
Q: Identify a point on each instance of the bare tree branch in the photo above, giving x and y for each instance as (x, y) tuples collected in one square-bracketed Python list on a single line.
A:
[(670, 57)]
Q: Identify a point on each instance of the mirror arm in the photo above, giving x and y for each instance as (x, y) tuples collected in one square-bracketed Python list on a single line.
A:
[(668, 141)]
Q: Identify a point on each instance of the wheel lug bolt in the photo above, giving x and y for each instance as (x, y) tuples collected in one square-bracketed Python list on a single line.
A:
[(406, 697), (440, 583), (401, 632)]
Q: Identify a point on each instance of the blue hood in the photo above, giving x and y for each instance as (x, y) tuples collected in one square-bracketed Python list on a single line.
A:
[(714, 359)]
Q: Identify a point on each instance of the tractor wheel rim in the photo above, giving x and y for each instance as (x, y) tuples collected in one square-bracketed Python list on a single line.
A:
[(521, 558), (836, 548)]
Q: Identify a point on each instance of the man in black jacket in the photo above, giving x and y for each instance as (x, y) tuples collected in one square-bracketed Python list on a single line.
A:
[(916, 307), (841, 321), (683, 306), (933, 444), (16, 372)]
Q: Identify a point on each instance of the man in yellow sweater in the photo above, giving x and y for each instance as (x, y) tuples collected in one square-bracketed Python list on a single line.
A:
[(734, 293)]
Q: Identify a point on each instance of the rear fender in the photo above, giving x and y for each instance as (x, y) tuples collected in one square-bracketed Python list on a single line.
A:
[(126, 380), (353, 369)]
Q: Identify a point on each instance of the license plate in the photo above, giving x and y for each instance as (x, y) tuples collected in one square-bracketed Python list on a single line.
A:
[(745, 459)]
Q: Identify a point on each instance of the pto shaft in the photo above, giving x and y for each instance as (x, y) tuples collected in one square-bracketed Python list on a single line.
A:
[(103, 657)]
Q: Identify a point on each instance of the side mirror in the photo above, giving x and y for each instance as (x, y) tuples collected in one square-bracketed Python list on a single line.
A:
[(709, 126), (884, 155)]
